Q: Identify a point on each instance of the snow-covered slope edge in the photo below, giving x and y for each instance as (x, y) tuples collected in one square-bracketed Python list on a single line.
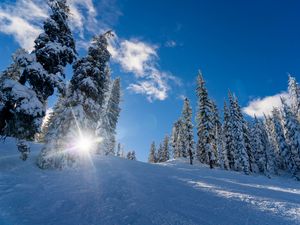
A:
[(112, 190)]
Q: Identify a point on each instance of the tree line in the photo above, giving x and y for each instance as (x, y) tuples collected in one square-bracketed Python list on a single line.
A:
[(269, 145)]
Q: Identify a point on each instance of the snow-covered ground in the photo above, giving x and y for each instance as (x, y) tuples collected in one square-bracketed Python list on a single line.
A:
[(112, 190)]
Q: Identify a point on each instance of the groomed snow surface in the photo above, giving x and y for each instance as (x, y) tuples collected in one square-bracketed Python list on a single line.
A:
[(111, 190)]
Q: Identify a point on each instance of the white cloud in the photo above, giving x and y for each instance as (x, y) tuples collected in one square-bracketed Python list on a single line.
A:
[(170, 44), (141, 59), (23, 32), (259, 107), (135, 56), (24, 19)]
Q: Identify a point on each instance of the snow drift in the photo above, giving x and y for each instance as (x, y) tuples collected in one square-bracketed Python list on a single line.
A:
[(112, 190)]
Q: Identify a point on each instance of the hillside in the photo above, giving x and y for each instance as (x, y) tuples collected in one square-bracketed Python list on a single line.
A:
[(111, 190)]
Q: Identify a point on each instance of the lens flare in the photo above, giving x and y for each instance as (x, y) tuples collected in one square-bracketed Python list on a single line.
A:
[(84, 144)]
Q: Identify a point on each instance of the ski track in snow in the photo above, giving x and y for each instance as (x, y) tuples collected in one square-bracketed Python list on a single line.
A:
[(116, 191)]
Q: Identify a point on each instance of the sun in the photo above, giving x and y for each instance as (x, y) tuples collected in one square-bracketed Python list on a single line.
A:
[(84, 143)]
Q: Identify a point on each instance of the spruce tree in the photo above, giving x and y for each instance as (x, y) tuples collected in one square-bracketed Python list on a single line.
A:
[(152, 154), (270, 128), (76, 114), (119, 150), (228, 137), (53, 50), (217, 129), (270, 157), (174, 137), (283, 148), (159, 156), (177, 139), (294, 95), (241, 158), (39, 73), (258, 145), (21, 111), (165, 150), (106, 129), (204, 150), (292, 133), (187, 129), (131, 155)]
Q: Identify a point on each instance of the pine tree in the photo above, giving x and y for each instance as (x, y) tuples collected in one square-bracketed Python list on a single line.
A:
[(286, 159), (119, 150), (217, 128), (204, 151), (159, 156), (76, 114), (270, 128), (53, 50), (292, 133), (152, 154), (106, 129), (187, 129), (176, 139), (38, 74), (219, 136), (241, 158), (228, 137), (20, 104), (270, 157), (165, 149), (294, 96), (258, 145), (131, 155)]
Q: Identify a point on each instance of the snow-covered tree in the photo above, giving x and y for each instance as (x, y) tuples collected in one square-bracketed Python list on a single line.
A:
[(246, 137), (217, 129), (241, 158), (187, 129), (165, 149), (283, 148), (270, 156), (53, 50), (264, 152), (204, 150), (34, 76), (76, 115), (159, 155), (131, 155), (294, 96), (258, 144), (270, 128), (228, 137), (176, 139), (106, 129), (119, 150), (292, 133), (152, 154), (21, 111)]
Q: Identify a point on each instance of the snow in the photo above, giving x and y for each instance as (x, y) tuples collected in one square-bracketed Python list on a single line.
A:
[(26, 98), (112, 190)]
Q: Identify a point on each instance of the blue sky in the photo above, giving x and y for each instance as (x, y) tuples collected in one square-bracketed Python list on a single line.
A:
[(248, 47)]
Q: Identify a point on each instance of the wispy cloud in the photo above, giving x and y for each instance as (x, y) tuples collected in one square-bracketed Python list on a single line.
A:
[(260, 106), (170, 44), (23, 19), (141, 59)]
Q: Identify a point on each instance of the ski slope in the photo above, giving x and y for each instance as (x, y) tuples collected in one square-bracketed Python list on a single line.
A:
[(115, 191)]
